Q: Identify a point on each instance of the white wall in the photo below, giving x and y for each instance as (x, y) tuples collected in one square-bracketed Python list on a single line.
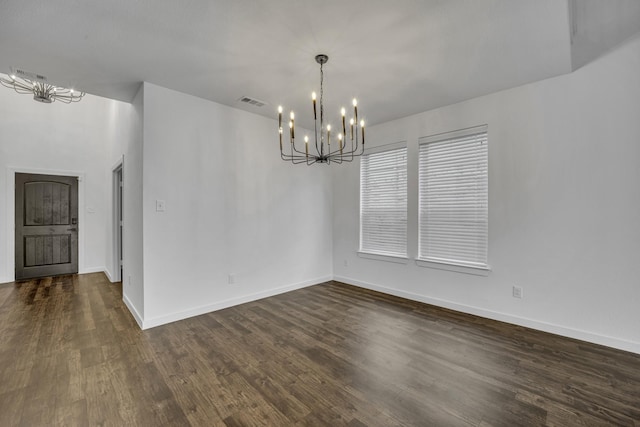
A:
[(126, 150), (58, 139), (564, 206), (232, 207)]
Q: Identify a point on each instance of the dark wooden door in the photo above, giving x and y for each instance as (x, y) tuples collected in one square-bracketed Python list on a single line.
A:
[(46, 225)]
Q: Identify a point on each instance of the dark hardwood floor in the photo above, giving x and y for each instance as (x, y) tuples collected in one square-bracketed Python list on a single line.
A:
[(331, 354)]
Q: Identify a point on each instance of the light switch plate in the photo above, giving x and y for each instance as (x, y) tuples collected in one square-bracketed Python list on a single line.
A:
[(159, 205)]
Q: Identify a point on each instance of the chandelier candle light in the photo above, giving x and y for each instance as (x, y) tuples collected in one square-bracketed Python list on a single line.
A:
[(25, 82), (344, 149)]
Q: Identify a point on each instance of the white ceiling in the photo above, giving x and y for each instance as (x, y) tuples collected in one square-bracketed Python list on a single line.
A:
[(397, 57)]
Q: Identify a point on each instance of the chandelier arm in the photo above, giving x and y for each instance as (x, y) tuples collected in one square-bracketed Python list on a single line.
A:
[(293, 144), (352, 150), (294, 159), (6, 83), (66, 93), (67, 99), (358, 145), (306, 149), (334, 153), (346, 160), (342, 150), (26, 85), (292, 156), (356, 134), (352, 153), (286, 157), (18, 86), (355, 151), (336, 159), (292, 139), (349, 153), (23, 90), (341, 160), (48, 90)]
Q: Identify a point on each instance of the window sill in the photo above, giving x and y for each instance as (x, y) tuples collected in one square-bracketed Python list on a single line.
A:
[(476, 271), (387, 258)]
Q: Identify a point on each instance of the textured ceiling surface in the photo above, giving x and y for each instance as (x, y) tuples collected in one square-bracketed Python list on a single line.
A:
[(397, 57)]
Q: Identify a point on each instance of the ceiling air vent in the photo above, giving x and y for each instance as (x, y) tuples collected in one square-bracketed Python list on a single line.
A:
[(252, 101), (28, 75)]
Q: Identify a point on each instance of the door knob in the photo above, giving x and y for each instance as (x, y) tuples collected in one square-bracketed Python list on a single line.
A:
[(72, 229)]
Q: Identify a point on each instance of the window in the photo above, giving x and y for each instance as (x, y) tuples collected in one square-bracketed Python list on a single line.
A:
[(453, 205), (383, 202)]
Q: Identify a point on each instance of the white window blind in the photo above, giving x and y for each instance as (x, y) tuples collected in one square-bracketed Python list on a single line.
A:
[(383, 202), (453, 198)]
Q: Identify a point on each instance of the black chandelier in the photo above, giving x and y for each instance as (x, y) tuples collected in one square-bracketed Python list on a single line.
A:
[(340, 150)]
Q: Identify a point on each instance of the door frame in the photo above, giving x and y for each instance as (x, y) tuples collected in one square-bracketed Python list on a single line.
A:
[(117, 205), (11, 215)]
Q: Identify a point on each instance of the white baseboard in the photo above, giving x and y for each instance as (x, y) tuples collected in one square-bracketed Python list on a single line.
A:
[(88, 270), (5, 280), (633, 347), (108, 274), (173, 317), (133, 311)]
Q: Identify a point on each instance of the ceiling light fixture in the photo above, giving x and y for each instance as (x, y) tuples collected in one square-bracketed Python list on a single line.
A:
[(343, 150), (25, 82)]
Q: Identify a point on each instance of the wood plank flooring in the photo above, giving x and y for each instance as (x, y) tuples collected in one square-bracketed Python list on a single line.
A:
[(327, 355)]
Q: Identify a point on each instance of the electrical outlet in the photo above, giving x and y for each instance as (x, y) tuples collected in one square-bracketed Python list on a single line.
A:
[(159, 205), (517, 292), (232, 278)]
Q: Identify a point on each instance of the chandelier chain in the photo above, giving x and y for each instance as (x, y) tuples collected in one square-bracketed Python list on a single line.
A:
[(321, 106)]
